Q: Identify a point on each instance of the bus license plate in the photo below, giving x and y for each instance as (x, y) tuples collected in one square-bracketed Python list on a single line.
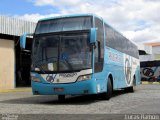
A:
[(59, 89)]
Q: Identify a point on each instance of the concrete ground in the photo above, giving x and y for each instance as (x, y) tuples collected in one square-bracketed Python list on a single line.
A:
[(145, 100)]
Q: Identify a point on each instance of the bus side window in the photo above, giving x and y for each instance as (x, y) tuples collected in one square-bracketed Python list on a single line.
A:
[(98, 59), (99, 51)]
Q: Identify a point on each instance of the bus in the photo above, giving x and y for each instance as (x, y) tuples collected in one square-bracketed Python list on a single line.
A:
[(150, 71), (79, 55)]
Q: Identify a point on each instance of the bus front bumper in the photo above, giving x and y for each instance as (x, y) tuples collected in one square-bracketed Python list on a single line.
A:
[(76, 88)]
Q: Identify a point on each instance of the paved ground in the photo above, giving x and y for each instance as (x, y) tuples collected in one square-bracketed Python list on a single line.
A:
[(146, 99)]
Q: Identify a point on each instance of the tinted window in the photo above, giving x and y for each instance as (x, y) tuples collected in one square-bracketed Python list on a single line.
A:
[(117, 41), (64, 24), (64, 52), (99, 51)]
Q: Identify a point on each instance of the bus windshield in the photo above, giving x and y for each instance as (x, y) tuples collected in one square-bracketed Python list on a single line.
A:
[(64, 24), (61, 53)]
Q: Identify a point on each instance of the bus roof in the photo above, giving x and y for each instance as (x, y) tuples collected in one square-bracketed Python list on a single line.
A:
[(71, 15), (79, 15)]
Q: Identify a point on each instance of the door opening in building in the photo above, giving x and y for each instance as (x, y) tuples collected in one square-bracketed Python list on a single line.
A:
[(23, 64)]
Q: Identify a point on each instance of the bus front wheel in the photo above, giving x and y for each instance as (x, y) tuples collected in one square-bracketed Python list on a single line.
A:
[(107, 95), (61, 98)]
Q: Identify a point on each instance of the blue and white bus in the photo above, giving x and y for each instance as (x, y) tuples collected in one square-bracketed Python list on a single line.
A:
[(81, 54)]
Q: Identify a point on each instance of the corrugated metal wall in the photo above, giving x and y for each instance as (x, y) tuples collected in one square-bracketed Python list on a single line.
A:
[(13, 26)]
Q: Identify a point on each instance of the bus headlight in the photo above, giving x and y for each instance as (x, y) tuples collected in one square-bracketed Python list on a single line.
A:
[(35, 79), (84, 77)]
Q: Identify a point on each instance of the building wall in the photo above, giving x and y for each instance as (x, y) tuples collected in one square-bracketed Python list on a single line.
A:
[(156, 52), (151, 57), (10, 26), (7, 62), (156, 49), (146, 57)]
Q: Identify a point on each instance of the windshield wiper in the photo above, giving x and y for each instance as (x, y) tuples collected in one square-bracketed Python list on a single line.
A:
[(46, 59)]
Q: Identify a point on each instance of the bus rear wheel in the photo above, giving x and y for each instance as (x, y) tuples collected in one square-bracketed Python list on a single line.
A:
[(107, 95), (131, 88), (61, 98)]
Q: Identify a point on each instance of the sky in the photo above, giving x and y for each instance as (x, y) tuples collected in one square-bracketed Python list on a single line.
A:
[(138, 20)]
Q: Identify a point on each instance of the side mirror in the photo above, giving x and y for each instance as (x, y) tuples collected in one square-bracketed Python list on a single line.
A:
[(93, 35), (23, 40)]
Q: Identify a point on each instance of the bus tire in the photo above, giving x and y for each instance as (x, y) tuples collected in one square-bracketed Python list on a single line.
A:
[(61, 98), (107, 95), (131, 88)]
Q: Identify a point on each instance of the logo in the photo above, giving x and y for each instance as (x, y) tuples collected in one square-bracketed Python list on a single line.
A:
[(9, 117), (67, 75), (148, 72), (50, 77), (128, 71)]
